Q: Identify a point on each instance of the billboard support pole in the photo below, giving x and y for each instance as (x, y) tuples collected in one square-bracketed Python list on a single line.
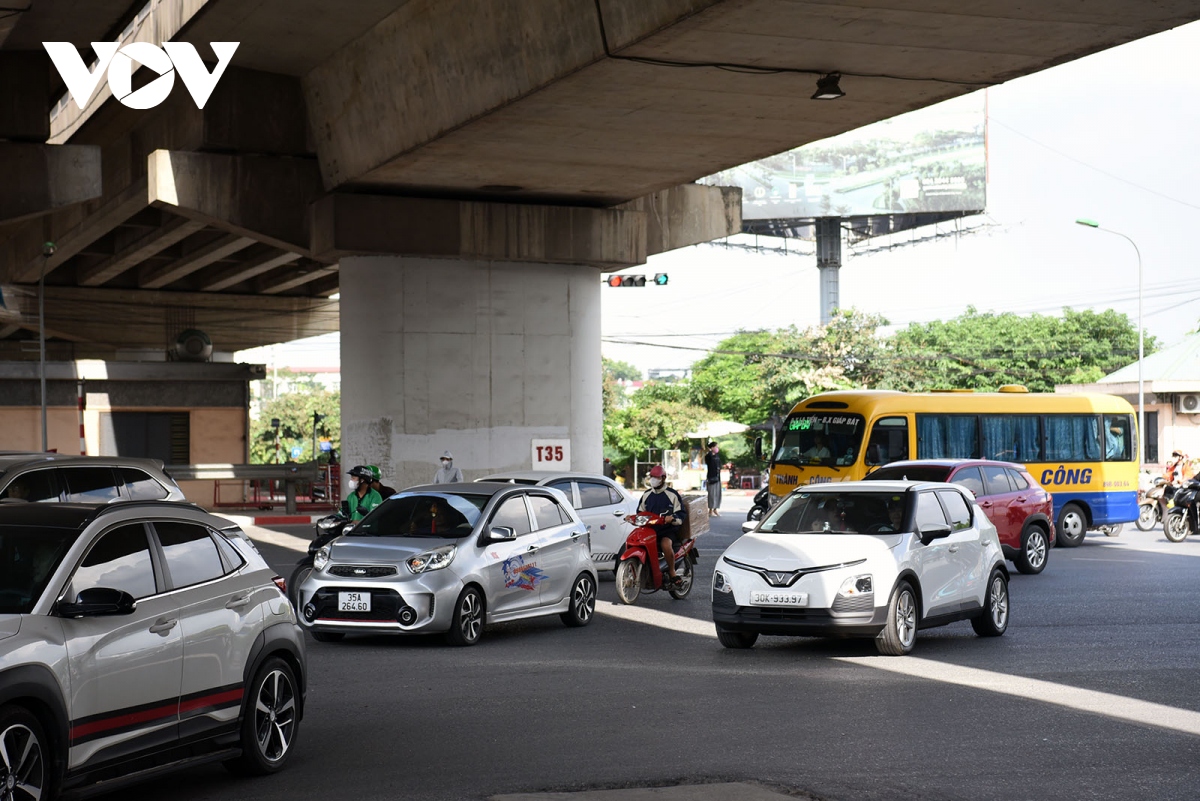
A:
[(829, 262)]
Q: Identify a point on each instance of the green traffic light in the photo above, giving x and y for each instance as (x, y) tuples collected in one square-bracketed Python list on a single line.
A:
[(660, 279)]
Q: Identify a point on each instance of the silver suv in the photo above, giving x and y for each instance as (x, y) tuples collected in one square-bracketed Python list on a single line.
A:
[(42, 477), (136, 636)]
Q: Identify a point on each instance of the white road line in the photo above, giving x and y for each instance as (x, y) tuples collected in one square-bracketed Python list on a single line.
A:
[(1120, 707)]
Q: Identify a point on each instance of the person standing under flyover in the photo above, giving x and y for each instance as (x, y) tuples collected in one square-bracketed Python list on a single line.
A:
[(712, 482), (448, 473)]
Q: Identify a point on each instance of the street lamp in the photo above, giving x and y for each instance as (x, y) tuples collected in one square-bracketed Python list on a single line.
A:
[(1141, 338)]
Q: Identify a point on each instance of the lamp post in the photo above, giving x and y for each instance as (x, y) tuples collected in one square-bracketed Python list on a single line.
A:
[(1141, 339)]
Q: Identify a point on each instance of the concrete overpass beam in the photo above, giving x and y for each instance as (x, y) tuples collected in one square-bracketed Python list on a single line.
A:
[(688, 215), (257, 265), (172, 231), (471, 355), (24, 96), (198, 259), (39, 179), (357, 224), (265, 198)]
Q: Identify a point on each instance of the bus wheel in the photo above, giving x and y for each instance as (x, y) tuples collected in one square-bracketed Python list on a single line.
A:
[(1072, 526)]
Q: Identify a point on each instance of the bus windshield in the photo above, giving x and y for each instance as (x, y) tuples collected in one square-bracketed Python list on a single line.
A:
[(820, 438)]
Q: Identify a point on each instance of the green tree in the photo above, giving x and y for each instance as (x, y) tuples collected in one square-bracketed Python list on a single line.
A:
[(984, 351), (622, 371), (614, 372), (294, 410), (657, 416)]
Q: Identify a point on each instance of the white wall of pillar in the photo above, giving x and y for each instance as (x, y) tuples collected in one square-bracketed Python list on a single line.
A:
[(476, 357)]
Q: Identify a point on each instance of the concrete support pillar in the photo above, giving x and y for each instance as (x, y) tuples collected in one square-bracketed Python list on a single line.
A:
[(474, 356), (829, 262)]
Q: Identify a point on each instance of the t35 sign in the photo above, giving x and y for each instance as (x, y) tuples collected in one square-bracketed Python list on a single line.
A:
[(117, 61)]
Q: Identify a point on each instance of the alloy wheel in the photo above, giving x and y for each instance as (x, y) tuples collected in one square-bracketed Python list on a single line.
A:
[(906, 619), (1035, 549), (22, 766), (470, 619), (998, 603), (275, 715), (583, 599)]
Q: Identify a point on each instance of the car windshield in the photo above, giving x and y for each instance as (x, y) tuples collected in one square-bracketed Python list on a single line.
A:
[(838, 513), (820, 438), (924, 472), (440, 515), (29, 555)]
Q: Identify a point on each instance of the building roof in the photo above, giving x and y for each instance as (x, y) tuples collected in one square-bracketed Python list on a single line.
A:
[(1178, 363)]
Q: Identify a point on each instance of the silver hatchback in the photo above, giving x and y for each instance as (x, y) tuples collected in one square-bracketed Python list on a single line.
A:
[(452, 558)]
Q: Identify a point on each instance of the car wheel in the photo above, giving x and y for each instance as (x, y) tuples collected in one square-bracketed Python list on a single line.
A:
[(687, 574), (736, 639), (629, 580), (583, 602), (26, 764), (1034, 551), (1147, 516), (328, 636), (994, 620), (900, 631), (1176, 525), (270, 720), (1072, 526), (466, 625), (302, 572)]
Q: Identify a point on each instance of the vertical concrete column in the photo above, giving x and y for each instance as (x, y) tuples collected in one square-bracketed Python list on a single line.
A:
[(472, 356), (829, 262)]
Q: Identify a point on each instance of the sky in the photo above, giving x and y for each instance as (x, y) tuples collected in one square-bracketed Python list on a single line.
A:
[(1111, 137)]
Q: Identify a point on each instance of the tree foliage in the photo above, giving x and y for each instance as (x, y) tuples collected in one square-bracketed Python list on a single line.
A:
[(658, 415), (984, 351), (294, 411)]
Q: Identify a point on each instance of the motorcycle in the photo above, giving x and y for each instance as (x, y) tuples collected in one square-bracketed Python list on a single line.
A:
[(1154, 504), (640, 568), (762, 502), (326, 530), (1182, 519)]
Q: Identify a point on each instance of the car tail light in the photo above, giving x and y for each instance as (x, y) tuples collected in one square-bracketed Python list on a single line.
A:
[(281, 583)]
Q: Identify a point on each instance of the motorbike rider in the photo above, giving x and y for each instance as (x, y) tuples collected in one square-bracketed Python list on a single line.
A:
[(1177, 469), (666, 502), (378, 485), (362, 497)]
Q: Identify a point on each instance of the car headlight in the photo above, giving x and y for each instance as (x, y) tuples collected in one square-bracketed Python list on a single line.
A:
[(856, 585), (720, 583), (432, 560), (321, 558)]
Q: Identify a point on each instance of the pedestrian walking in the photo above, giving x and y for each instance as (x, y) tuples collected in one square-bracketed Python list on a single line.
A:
[(448, 473), (712, 483)]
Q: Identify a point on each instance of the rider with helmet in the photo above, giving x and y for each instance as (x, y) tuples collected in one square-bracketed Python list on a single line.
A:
[(377, 484), (668, 504), (362, 498)]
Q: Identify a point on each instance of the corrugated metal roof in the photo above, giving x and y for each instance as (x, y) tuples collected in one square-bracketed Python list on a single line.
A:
[(1177, 363)]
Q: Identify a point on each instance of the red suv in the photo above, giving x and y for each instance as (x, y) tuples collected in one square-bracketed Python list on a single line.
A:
[(1020, 510)]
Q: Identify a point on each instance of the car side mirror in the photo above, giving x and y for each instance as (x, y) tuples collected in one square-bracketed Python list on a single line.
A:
[(748, 526), (99, 601), (758, 449), (935, 532), (499, 534)]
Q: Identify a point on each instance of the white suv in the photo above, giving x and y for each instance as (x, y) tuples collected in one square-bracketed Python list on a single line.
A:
[(875, 559), (138, 636)]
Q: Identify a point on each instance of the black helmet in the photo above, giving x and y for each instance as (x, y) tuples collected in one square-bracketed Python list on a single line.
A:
[(362, 471)]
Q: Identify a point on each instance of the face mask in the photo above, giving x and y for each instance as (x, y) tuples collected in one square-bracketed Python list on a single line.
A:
[(354, 483), (446, 463), (655, 483)]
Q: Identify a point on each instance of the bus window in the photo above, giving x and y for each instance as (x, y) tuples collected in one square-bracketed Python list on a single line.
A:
[(1072, 438), (888, 441), (1118, 442), (947, 436), (820, 438), (1010, 437)]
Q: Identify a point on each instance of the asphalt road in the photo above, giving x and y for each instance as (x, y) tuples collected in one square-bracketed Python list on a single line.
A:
[(1092, 694)]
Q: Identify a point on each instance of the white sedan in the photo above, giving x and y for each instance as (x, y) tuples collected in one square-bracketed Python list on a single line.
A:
[(875, 559), (599, 501)]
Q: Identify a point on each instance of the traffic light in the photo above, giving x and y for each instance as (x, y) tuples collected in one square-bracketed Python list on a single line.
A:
[(660, 279), (627, 280)]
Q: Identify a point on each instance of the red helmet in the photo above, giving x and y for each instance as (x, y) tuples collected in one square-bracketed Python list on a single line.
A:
[(658, 472)]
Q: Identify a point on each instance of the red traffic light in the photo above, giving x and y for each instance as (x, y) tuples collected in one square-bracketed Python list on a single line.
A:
[(614, 280)]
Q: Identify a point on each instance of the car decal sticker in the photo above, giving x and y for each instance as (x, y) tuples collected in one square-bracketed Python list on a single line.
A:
[(521, 574)]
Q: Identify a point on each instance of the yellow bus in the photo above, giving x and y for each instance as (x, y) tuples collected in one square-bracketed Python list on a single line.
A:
[(1081, 448)]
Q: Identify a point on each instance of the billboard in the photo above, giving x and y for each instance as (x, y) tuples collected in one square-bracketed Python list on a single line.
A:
[(930, 160)]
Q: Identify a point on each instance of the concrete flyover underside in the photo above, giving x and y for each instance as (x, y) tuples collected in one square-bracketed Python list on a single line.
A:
[(505, 134)]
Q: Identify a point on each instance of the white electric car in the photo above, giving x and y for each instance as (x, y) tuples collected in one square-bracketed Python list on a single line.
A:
[(875, 559)]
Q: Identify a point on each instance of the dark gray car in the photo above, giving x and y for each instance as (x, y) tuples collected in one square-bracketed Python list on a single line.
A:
[(54, 477)]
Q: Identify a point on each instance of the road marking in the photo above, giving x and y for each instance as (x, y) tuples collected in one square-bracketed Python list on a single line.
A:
[(1133, 710)]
